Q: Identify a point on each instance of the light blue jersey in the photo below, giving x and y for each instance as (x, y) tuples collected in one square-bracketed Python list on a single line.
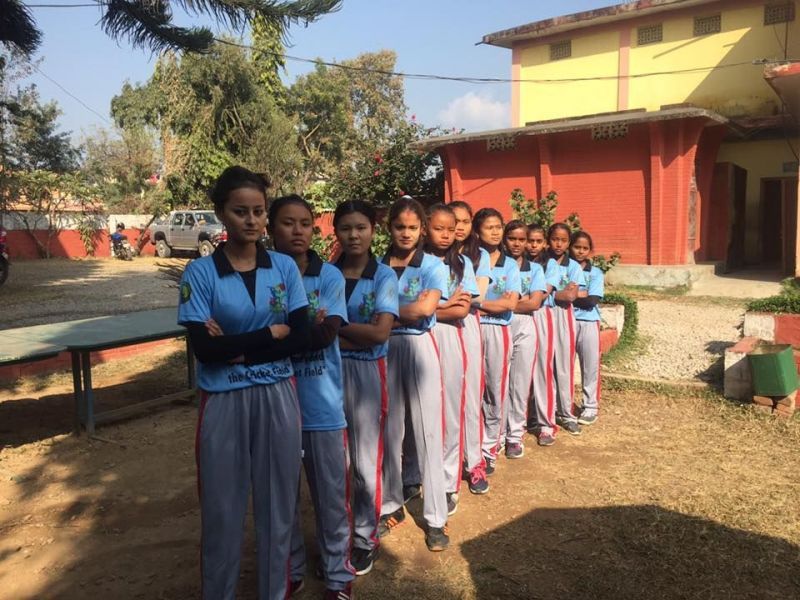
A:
[(319, 372), (468, 281), (211, 288), (563, 275), (504, 278), (532, 278), (595, 284), (374, 293), (423, 272)]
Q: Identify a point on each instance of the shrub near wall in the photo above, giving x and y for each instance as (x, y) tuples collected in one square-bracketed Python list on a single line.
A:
[(630, 328)]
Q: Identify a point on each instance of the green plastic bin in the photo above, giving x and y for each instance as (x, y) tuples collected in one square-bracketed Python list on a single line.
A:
[(774, 371)]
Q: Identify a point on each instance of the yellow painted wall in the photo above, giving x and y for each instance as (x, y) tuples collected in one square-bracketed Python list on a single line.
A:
[(733, 91), (592, 56), (762, 159)]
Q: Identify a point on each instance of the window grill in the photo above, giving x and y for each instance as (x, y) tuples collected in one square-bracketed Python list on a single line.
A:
[(500, 143), (609, 132), (649, 34), (782, 12), (707, 25), (561, 50)]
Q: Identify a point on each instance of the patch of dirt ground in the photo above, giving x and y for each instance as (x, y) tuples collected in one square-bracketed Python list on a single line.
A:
[(665, 497)]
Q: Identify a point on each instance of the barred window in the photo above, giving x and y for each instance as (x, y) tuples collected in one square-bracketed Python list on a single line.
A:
[(778, 12), (649, 34), (609, 132), (561, 50), (707, 25)]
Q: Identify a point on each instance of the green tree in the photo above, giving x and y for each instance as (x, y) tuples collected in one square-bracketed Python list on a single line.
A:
[(149, 25)]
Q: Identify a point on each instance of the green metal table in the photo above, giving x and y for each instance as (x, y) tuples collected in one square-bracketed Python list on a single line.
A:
[(81, 338), (14, 351)]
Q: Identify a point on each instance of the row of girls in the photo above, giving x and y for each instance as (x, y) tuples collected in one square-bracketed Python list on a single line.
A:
[(384, 378)]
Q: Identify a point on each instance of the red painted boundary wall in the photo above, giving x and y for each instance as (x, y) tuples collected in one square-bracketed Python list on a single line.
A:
[(68, 244)]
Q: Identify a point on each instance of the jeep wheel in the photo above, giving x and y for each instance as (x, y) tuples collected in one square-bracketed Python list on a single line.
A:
[(205, 248), (162, 249)]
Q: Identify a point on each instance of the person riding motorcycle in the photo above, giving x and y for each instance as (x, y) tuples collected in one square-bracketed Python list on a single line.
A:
[(119, 243)]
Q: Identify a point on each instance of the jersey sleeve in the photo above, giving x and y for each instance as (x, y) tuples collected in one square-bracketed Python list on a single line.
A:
[(386, 292), (332, 291), (468, 281), (295, 292), (434, 277), (484, 265), (196, 295), (538, 283), (575, 273), (597, 284), (514, 281), (551, 275)]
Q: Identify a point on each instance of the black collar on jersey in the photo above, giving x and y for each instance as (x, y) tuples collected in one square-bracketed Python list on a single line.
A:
[(224, 266), (416, 260), (588, 266), (502, 260), (526, 264), (314, 267), (564, 260), (369, 270)]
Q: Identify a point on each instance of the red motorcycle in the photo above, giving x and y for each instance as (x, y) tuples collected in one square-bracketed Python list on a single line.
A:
[(4, 261)]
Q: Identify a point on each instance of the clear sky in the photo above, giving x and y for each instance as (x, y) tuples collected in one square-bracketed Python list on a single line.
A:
[(429, 36)]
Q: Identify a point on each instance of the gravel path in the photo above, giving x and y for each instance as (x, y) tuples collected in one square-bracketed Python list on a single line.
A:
[(48, 291), (685, 340)]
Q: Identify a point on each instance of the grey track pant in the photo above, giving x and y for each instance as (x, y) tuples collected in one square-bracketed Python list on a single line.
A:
[(449, 339), (588, 345), (325, 460), (473, 401), (415, 409), (366, 401), (496, 360), (520, 376), (542, 414), (564, 362), (247, 438)]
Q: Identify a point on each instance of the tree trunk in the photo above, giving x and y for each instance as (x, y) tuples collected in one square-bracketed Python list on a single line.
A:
[(140, 242)]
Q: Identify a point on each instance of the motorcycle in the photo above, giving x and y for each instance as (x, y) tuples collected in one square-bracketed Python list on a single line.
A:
[(5, 263), (121, 247)]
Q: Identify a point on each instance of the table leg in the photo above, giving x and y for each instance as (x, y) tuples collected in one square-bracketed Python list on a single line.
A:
[(86, 360), (77, 390), (190, 364)]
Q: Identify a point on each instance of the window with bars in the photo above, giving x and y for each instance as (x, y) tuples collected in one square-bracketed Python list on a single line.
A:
[(561, 50), (649, 34), (707, 25), (779, 12)]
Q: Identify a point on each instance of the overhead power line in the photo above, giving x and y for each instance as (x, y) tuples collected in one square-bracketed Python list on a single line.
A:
[(70, 94)]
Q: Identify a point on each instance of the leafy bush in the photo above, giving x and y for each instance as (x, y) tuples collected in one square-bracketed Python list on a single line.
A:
[(630, 330), (606, 264), (785, 303)]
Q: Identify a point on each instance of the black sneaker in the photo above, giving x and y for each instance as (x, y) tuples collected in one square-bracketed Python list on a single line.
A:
[(452, 503), (363, 560), (546, 439), (436, 539), (515, 451), (489, 467), (345, 594), (410, 492), (295, 587), (390, 521), (571, 427), (587, 419), (477, 480)]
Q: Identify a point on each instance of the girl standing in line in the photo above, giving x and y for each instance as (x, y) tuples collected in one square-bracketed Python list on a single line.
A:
[(587, 317), (372, 307), (496, 310), (415, 378), (449, 328), (246, 313), (542, 411), (318, 372), (469, 247), (524, 343), (570, 277)]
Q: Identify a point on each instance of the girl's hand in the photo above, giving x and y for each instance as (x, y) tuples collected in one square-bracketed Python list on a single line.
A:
[(279, 331), (213, 328), (320, 316)]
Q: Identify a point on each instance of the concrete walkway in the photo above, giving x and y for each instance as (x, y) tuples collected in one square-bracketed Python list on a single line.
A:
[(746, 283)]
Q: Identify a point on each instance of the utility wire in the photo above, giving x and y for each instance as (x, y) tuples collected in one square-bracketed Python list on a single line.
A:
[(70, 94)]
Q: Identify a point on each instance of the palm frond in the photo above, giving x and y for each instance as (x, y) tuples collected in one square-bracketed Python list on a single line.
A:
[(238, 13), (148, 24), (17, 27)]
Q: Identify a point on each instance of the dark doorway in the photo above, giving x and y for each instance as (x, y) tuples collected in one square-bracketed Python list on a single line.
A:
[(778, 222)]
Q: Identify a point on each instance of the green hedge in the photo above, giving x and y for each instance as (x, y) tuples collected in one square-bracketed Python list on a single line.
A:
[(630, 330), (785, 303)]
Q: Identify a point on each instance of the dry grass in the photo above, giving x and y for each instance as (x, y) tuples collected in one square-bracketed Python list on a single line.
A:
[(672, 494)]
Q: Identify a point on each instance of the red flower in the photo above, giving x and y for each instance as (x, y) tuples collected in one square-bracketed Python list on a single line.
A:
[(376, 173), (413, 117)]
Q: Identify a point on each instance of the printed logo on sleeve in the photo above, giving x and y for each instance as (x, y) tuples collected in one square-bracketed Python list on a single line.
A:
[(277, 303), (499, 285), (412, 289), (186, 292), (367, 306), (526, 283), (564, 282), (313, 304)]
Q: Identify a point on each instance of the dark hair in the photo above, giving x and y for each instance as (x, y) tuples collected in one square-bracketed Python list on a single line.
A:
[(536, 227), (542, 257), (470, 247), (120, 225), (481, 216), (401, 205), (553, 228), (349, 207), (581, 234), (235, 178), (278, 203), (452, 257), (514, 224)]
